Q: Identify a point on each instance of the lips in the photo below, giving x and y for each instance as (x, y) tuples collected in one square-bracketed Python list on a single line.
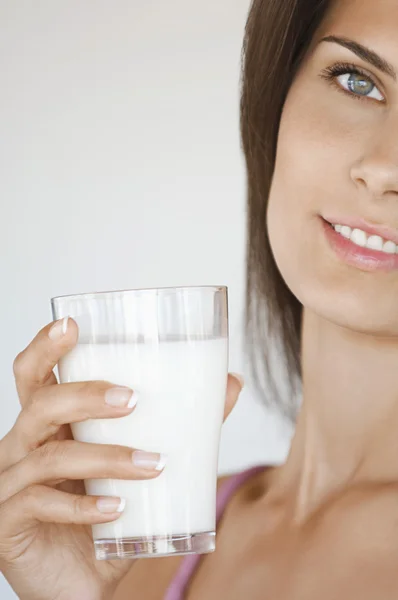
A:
[(362, 258)]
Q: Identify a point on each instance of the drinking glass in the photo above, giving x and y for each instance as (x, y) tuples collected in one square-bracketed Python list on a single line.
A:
[(170, 345)]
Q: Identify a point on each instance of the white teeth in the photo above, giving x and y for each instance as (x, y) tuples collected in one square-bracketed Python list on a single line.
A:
[(375, 242), (346, 231), (360, 238), (390, 248)]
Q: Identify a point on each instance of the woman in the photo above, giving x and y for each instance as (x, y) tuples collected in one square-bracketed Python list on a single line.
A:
[(319, 126)]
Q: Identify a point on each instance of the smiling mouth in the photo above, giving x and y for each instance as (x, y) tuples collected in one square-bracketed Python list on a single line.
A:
[(363, 240), (358, 249)]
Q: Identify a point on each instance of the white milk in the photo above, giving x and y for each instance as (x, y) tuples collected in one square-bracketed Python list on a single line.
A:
[(180, 388)]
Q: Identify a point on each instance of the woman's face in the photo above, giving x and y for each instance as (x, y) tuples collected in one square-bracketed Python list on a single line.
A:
[(337, 158)]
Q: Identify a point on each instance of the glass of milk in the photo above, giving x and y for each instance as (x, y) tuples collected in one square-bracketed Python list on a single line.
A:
[(170, 345)]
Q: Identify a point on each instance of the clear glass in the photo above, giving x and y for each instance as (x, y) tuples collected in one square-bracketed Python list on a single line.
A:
[(170, 345)]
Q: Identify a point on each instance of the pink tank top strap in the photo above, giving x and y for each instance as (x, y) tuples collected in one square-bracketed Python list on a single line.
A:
[(189, 564)]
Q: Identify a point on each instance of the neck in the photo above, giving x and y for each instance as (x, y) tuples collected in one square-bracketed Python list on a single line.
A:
[(347, 430)]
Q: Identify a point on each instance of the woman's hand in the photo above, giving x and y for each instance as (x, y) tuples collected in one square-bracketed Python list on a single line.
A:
[(46, 546)]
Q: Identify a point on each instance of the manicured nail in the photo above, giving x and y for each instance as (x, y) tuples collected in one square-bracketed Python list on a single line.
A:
[(149, 460), (239, 378), (111, 505), (120, 396), (58, 330)]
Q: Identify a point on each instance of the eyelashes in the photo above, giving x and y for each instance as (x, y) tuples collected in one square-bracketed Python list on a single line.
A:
[(330, 74)]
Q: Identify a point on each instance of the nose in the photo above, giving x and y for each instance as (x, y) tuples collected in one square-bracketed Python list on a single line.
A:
[(377, 171)]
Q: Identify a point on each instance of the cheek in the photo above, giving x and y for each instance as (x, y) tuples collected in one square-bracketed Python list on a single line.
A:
[(312, 174), (291, 231), (314, 155), (301, 176)]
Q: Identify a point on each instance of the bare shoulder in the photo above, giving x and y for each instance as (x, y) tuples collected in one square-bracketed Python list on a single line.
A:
[(148, 579)]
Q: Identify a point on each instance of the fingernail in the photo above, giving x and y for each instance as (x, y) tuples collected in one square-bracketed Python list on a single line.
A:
[(149, 460), (110, 505), (58, 330), (120, 396), (239, 378)]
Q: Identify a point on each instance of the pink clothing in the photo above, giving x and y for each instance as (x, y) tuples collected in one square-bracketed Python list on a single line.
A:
[(179, 585)]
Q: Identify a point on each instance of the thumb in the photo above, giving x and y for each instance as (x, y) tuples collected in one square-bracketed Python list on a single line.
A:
[(234, 387)]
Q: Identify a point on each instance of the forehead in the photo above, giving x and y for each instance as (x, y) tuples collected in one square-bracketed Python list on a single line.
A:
[(375, 20), (372, 23)]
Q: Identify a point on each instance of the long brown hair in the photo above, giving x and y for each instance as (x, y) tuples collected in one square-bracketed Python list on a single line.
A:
[(278, 33)]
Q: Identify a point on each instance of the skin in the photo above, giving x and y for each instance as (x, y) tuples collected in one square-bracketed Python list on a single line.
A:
[(325, 523)]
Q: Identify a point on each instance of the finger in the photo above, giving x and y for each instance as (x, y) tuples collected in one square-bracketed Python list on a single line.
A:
[(41, 503), (33, 367), (58, 461), (50, 407), (234, 387)]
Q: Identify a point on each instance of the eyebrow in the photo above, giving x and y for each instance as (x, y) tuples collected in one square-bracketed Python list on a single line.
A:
[(365, 53)]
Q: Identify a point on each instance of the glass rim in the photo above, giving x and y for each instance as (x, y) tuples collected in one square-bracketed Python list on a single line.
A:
[(132, 291)]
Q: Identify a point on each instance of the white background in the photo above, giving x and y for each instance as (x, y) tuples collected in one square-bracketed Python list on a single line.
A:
[(121, 167)]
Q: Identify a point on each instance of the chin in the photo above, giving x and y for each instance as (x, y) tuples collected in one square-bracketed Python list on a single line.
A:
[(351, 311)]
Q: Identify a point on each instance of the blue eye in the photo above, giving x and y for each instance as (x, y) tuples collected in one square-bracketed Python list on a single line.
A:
[(352, 81)]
